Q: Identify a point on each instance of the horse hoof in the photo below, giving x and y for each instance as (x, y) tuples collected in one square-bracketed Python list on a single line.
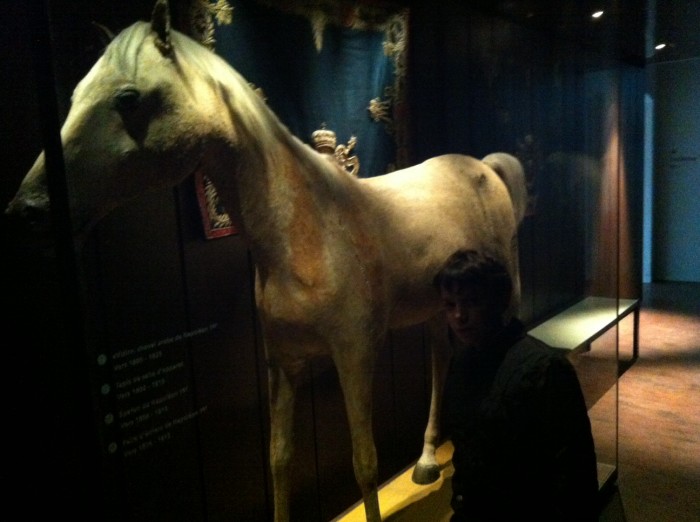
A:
[(425, 474)]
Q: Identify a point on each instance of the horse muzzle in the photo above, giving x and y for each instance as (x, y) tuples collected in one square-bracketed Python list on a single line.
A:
[(32, 213)]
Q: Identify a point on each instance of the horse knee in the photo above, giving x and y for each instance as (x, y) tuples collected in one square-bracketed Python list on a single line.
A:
[(366, 468)]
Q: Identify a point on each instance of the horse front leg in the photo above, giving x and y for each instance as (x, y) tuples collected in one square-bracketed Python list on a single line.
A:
[(355, 365), (427, 470), (282, 400)]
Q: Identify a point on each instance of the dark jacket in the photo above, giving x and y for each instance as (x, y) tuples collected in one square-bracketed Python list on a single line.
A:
[(523, 445)]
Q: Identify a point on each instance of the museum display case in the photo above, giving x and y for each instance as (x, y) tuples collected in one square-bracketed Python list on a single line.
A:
[(136, 384)]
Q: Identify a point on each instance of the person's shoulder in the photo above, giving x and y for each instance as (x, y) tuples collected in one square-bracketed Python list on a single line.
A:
[(552, 366), (533, 351), (525, 355), (525, 369)]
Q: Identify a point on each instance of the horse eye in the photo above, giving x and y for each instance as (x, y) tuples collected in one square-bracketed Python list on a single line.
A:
[(127, 100)]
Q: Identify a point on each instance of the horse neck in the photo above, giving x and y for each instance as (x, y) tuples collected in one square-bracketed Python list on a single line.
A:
[(277, 188)]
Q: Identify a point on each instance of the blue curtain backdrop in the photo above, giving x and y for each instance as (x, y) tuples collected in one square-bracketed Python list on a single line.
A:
[(327, 77)]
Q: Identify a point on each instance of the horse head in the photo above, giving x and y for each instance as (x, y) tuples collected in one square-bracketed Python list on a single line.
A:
[(139, 120)]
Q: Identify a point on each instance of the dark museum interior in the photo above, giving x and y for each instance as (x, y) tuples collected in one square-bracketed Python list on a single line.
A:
[(136, 382)]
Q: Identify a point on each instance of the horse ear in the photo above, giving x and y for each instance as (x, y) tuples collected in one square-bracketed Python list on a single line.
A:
[(105, 34), (160, 23)]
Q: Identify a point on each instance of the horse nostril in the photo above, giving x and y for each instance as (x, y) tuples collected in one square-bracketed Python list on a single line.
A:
[(32, 215), (35, 214)]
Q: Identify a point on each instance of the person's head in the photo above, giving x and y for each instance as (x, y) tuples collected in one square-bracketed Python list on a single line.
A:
[(475, 291)]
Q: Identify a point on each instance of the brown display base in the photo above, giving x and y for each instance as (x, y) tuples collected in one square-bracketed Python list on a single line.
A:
[(400, 499), (607, 477)]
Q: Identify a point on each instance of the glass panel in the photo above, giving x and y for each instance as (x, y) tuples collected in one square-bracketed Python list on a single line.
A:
[(145, 339), (597, 370)]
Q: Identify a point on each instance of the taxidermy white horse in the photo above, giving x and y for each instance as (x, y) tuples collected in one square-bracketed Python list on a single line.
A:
[(339, 260)]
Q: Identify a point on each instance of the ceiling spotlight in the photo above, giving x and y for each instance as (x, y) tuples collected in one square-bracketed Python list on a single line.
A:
[(659, 46), (597, 14)]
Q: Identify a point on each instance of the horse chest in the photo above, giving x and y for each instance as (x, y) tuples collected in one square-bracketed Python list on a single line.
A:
[(315, 305), (294, 298)]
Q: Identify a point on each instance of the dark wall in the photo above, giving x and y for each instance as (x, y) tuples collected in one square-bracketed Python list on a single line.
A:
[(150, 396)]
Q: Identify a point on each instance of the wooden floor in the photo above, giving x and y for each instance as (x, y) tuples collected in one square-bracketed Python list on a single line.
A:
[(659, 424), (659, 439)]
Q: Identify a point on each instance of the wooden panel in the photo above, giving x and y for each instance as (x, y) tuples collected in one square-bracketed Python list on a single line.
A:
[(411, 385), (226, 377), (137, 324)]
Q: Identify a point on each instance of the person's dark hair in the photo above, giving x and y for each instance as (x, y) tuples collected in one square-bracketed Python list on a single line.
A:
[(478, 272)]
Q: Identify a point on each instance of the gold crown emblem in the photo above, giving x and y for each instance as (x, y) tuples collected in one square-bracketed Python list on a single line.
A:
[(324, 140)]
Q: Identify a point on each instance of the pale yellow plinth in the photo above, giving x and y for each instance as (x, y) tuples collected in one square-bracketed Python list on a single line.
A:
[(401, 500)]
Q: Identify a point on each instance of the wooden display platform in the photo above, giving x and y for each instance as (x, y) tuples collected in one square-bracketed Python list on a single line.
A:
[(400, 499)]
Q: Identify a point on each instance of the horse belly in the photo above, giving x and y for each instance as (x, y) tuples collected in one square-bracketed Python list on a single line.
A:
[(424, 217), (407, 314)]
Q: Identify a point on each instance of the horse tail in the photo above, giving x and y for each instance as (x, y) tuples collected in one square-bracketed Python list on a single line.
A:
[(511, 171)]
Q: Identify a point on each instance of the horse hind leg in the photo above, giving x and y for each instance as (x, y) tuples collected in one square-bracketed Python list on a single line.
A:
[(427, 470)]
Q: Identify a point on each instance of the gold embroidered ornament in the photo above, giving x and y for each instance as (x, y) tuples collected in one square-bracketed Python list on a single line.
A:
[(203, 15), (325, 142)]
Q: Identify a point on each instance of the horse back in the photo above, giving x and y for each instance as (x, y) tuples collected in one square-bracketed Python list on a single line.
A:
[(424, 213)]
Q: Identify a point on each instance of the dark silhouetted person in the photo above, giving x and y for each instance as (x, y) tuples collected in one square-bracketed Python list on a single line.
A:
[(514, 409)]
